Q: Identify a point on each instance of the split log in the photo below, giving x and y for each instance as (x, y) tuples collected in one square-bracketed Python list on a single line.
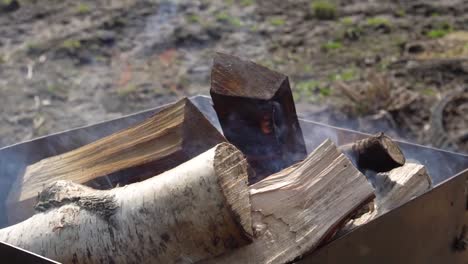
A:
[(400, 185), (378, 153), (256, 110), (170, 137), (393, 189), (295, 209), (194, 211)]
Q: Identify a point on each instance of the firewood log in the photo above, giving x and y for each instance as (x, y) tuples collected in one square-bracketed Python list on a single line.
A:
[(295, 209), (179, 216), (393, 189), (197, 210), (400, 185), (161, 142), (378, 153), (256, 110)]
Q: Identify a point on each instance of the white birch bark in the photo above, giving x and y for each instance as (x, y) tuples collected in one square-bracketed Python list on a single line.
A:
[(197, 210)]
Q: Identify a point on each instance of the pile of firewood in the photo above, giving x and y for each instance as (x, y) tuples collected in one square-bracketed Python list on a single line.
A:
[(174, 190)]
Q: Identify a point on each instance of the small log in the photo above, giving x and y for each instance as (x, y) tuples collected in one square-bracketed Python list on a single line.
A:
[(378, 153), (167, 139), (295, 209), (400, 185), (256, 110), (197, 210), (393, 189)]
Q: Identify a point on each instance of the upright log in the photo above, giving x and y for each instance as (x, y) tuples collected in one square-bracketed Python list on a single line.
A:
[(163, 141), (295, 209), (256, 110), (195, 211)]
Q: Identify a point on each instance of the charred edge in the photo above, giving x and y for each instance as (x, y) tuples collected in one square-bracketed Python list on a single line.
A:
[(102, 205), (460, 242)]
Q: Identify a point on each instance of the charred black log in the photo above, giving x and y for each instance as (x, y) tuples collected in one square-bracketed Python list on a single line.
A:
[(378, 153), (256, 110)]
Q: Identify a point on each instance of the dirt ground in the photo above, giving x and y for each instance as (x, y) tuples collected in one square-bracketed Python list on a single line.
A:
[(397, 66)]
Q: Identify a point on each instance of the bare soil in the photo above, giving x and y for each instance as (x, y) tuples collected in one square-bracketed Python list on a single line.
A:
[(397, 66)]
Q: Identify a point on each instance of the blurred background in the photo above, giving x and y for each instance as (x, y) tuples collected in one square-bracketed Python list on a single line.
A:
[(396, 66)]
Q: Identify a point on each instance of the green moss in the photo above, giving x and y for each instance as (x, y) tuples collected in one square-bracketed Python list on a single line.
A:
[(246, 2), (7, 2), (193, 18), (378, 21), (400, 13), (83, 8), (57, 90), (235, 21), (440, 30), (276, 21), (324, 10), (349, 29), (307, 68), (347, 21), (429, 92), (306, 88), (33, 47), (225, 17), (332, 45), (348, 74), (438, 33), (71, 44), (222, 16), (325, 91), (309, 89), (129, 89)]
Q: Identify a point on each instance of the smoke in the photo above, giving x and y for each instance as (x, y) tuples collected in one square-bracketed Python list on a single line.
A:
[(158, 28)]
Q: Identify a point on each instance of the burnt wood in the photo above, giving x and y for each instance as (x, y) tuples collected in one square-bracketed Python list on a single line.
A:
[(378, 153), (256, 110)]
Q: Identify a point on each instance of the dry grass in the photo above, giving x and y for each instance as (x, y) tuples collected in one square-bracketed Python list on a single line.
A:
[(379, 92)]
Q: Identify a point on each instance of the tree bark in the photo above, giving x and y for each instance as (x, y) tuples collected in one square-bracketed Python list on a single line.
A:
[(161, 142), (378, 153), (197, 210), (256, 110), (295, 209)]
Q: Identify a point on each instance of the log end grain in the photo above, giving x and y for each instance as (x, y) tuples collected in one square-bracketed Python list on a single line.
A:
[(232, 170)]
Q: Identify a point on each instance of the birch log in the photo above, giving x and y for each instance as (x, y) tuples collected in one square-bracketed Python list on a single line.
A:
[(197, 210), (295, 209)]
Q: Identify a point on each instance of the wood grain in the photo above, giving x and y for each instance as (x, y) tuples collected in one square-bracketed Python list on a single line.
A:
[(256, 110), (295, 209), (161, 142), (194, 211)]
